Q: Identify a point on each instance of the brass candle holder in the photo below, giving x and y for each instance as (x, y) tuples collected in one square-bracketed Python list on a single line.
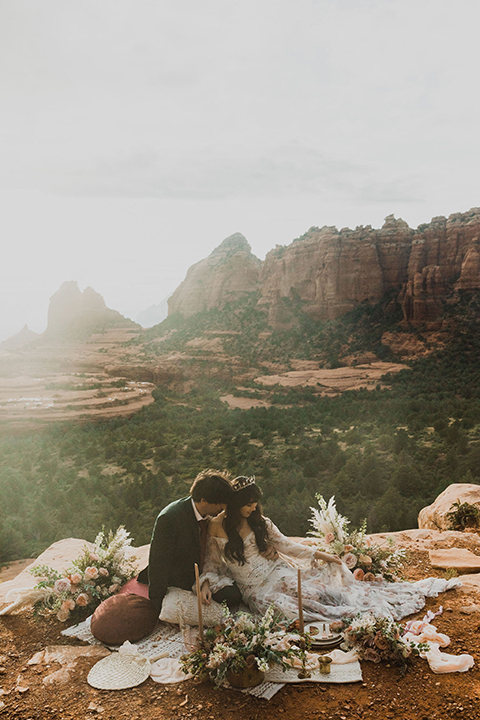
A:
[(324, 662)]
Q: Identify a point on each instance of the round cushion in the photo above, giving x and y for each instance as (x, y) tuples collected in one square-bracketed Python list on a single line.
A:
[(123, 617)]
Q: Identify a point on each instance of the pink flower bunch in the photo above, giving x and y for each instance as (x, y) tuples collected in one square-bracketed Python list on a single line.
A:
[(379, 639), (352, 545), (97, 573)]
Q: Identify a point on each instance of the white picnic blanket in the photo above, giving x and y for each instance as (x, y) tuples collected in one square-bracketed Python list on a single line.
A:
[(344, 668)]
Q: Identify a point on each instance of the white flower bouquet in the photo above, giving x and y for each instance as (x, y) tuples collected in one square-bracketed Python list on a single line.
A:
[(368, 561), (93, 576)]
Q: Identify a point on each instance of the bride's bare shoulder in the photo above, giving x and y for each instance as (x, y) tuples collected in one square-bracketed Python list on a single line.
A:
[(215, 526)]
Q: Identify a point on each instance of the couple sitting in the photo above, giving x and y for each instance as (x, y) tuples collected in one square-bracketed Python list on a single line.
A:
[(243, 556)]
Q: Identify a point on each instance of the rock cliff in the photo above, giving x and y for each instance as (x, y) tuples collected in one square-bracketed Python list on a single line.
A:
[(331, 271), (229, 272)]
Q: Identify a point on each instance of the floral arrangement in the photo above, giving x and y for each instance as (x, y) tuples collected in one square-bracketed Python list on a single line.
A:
[(93, 576), (242, 642), (368, 561), (379, 639)]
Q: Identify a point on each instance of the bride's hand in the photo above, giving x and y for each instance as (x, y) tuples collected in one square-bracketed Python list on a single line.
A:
[(206, 593), (326, 557), (270, 553)]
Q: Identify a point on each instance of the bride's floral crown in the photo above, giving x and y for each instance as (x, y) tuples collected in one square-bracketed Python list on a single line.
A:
[(242, 482)]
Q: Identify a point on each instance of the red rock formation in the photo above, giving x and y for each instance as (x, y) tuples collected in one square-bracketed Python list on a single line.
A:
[(332, 271), (230, 271), (72, 312), (24, 337)]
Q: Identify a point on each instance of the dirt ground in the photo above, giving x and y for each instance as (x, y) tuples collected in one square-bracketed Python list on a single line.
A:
[(420, 695)]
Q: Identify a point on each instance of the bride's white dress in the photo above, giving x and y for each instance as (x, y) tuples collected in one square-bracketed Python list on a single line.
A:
[(329, 590)]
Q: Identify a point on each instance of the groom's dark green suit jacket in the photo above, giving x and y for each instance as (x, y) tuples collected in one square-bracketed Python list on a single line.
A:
[(174, 550)]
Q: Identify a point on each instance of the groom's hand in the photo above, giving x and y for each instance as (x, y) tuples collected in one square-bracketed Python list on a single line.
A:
[(206, 593), (270, 553)]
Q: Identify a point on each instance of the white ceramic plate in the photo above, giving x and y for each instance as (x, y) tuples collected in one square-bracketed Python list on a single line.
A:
[(324, 638)]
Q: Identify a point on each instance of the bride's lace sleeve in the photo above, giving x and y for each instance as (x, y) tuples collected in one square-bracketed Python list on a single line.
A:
[(214, 568), (287, 546)]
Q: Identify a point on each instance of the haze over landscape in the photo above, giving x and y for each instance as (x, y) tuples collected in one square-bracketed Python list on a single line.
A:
[(137, 136)]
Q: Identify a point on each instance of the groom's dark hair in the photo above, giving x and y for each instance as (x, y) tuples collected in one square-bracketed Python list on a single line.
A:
[(214, 486)]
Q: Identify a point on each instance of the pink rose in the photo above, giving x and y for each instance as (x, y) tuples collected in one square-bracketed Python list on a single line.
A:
[(358, 574), (365, 559), (63, 615), (82, 599), (68, 604), (103, 572), (329, 537), (94, 557), (113, 588), (348, 548), (76, 578), (62, 585), (336, 626), (368, 577), (350, 560), (91, 573), (372, 655), (381, 641)]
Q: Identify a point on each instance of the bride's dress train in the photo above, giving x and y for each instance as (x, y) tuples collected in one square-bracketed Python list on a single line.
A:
[(329, 590)]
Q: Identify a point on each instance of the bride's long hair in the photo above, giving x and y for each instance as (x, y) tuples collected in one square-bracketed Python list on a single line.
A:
[(234, 548)]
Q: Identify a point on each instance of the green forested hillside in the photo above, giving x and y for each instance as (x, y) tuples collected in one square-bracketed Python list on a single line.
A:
[(384, 454)]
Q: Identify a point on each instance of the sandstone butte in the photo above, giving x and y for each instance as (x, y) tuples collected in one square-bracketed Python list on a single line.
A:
[(331, 271)]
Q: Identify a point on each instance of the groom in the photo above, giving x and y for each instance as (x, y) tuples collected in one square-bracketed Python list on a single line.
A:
[(179, 538)]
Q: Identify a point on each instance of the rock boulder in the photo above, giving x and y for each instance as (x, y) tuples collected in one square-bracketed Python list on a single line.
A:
[(434, 516)]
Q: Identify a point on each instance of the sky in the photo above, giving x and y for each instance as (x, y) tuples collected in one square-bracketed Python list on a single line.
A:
[(135, 135)]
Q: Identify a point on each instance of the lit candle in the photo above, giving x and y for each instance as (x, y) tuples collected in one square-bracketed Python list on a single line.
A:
[(199, 603), (301, 627)]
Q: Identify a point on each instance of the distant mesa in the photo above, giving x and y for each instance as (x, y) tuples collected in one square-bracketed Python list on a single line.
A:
[(76, 314), (227, 274), (154, 314), (24, 337), (330, 271)]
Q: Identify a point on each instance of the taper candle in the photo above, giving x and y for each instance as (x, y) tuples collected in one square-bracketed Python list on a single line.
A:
[(301, 626), (199, 603)]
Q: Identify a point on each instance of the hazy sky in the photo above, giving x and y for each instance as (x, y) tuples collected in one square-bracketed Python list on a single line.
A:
[(136, 135)]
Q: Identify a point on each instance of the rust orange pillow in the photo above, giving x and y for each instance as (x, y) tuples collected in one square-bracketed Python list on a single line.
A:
[(123, 617)]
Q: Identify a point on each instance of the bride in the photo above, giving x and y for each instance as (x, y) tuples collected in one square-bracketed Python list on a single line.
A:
[(239, 545)]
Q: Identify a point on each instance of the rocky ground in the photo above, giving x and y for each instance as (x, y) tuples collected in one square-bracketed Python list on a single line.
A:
[(383, 693)]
